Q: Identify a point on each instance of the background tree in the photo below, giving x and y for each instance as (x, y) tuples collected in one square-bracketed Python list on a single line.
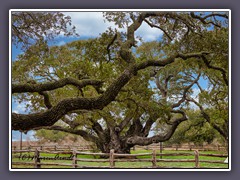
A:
[(196, 130), (29, 28), (102, 88), (60, 138), (50, 136), (213, 101)]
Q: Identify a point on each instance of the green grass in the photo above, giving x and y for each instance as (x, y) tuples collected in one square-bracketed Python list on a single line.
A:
[(128, 164)]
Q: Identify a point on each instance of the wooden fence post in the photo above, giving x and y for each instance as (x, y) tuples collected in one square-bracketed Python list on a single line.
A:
[(154, 159), (111, 158), (74, 161), (161, 149), (196, 158), (37, 159)]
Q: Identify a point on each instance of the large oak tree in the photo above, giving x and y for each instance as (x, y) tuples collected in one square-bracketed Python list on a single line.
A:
[(112, 90)]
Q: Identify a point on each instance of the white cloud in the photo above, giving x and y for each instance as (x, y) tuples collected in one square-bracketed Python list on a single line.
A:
[(148, 33), (91, 24)]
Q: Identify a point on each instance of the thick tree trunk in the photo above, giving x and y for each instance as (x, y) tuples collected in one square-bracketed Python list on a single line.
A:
[(119, 146), (121, 149)]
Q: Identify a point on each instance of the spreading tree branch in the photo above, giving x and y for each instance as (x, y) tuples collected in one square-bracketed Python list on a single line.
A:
[(72, 124), (162, 89), (109, 45), (204, 18), (185, 93), (143, 141), (46, 99), (50, 116), (147, 127), (224, 73), (125, 122), (98, 129)]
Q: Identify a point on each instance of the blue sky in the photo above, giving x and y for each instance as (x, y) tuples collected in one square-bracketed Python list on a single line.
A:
[(88, 25)]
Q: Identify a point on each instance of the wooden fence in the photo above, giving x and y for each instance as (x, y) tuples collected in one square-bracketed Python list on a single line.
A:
[(36, 160), (54, 147), (183, 147), (150, 147)]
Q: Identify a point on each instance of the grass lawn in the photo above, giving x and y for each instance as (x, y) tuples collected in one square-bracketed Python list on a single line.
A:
[(27, 157)]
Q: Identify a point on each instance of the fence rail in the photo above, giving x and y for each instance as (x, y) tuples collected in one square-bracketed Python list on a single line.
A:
[(111, 158)]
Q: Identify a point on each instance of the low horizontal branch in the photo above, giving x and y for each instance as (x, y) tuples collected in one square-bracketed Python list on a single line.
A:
[(48, 86)]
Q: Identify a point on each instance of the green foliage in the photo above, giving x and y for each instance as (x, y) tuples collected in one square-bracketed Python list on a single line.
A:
[(29, 27), (50, 135), (196, 130)]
